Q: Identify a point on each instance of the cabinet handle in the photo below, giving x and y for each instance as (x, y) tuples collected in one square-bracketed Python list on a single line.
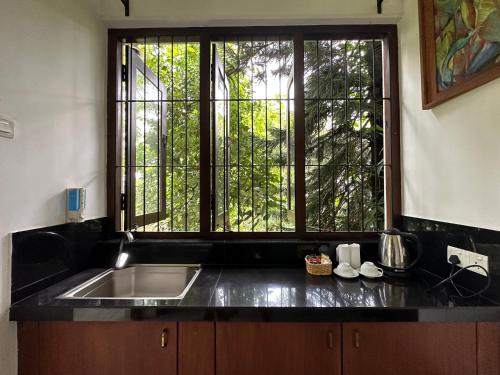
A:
[(164, 338), (330, 340), (356, 338)]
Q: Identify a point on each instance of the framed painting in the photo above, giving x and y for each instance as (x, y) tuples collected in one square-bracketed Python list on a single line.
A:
[(460, 47)]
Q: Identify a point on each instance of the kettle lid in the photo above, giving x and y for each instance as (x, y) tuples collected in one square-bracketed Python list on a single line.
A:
[(393, 231)]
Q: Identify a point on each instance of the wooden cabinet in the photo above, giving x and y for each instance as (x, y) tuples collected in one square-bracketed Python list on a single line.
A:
[(107, 348), (28, 342), (409, 348), (196, 348), (208, 348), (100, 348), (278, 349), (488, 348), (116, 348)]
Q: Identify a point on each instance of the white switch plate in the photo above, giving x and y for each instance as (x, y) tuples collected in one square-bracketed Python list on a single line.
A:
[(480, 260), (6, 128), (468, 258)]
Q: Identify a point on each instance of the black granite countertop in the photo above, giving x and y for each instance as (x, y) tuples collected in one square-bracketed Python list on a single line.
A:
[(269, 294)]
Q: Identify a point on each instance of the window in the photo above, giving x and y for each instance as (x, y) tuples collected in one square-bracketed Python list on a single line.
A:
[(252, 113), (344, 102), (160, 122), (256, 132)]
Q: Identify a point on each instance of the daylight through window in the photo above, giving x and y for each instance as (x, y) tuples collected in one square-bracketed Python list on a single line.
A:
[(260, 136)]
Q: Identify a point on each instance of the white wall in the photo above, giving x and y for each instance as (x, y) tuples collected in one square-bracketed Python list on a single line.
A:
[(177, 13), (451, 154), (52, 83)]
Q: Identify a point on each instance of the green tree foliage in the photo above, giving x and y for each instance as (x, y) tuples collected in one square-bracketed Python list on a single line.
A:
[(259, 196), (344, 136), (177, 66)]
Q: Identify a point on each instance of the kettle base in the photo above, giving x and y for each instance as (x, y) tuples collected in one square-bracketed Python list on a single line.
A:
[(396, 272)]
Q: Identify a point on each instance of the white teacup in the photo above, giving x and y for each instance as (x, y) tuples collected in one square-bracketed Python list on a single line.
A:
[(345, 269), (370, 269)]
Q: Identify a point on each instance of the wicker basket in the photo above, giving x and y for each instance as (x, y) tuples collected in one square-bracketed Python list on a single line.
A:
[(319, 269)]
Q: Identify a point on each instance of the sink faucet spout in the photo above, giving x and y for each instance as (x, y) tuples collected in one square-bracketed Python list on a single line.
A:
[(121, 260)]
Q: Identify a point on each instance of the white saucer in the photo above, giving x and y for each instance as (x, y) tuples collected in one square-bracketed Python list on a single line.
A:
[(353, 276), (379, 274)]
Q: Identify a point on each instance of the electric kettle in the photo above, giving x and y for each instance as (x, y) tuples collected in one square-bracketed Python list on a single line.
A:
[(393, 253)]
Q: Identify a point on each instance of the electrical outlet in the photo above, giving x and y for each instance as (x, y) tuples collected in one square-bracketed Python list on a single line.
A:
[(468, 258), (462, 254), (480, 260)]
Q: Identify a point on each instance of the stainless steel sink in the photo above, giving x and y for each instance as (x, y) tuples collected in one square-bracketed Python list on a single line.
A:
[(138, 282)]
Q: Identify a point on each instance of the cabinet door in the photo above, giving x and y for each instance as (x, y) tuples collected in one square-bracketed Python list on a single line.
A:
[(488, 348), (278, 349), (409, 348), (108, 348), (27, 344), (196, 348)]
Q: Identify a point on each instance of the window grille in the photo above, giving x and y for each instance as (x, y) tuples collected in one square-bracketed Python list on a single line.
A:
[(344, 112), (288, 132)]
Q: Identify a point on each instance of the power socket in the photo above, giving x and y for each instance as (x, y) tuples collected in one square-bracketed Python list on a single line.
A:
[(462, 254), (468, 258), (480, 260)]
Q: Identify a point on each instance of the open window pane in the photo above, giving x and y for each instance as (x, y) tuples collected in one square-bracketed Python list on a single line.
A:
[(145, 134), (162, 98), (344, 111), (252, 138)]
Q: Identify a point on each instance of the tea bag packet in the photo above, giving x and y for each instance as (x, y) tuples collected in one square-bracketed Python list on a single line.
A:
[(325, 259)]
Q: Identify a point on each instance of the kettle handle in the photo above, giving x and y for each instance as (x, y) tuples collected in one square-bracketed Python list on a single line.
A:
[(414, 238)]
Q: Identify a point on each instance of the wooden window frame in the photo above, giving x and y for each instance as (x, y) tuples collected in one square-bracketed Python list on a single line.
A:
[(392, 157)]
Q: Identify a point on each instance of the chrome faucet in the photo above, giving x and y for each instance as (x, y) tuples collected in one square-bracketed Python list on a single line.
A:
[(122, 259)]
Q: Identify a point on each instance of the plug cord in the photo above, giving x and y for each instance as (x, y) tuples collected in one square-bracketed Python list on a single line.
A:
[(455, 274)]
